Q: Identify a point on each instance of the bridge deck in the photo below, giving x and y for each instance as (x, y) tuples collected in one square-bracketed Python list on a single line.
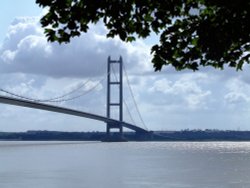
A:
[(52, 108)]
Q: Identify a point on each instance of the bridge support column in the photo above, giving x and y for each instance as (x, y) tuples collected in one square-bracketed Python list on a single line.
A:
[(109, 127), (113, 81)]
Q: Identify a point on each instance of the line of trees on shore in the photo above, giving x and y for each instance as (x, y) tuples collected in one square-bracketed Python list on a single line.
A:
[(183, 135)]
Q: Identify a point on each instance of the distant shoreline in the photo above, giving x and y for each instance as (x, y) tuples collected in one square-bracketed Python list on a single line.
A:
[(183, 135)]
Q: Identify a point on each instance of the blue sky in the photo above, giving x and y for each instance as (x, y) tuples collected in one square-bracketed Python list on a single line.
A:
[(168, 100), (12, 8)]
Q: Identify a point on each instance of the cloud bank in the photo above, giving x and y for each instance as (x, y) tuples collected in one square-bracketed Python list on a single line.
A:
[(26, 50)]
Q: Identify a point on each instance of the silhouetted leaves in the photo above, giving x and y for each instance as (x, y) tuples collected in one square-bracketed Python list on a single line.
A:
[(193, 33)]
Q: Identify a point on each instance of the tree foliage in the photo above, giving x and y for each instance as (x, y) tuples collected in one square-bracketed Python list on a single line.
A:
[(192, 33)]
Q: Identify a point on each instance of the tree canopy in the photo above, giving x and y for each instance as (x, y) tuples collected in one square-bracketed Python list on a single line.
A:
[(192, 33)]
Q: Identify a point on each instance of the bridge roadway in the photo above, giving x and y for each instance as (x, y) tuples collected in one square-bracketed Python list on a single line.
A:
[(52, 108)]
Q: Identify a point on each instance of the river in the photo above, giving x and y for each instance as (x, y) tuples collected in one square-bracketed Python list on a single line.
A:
[(124, 165)]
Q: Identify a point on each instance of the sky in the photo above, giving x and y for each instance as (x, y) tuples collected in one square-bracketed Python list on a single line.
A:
[(167, 100)]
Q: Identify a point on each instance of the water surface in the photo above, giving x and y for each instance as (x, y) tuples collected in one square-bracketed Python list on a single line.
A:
[(124, 165)]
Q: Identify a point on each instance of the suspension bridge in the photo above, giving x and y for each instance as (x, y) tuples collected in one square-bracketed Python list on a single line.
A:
[(12, 98)]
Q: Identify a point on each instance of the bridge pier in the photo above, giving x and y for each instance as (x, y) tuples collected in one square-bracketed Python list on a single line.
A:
[(114, 136), (112, 126)]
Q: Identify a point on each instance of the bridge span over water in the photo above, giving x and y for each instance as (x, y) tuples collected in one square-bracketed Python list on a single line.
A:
[(52, 108), (108, 120)]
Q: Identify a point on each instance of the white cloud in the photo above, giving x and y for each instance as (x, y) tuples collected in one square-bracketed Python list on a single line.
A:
[(237, 94), (8, 56), (26, 50), (19, 29), (187, 90), (236, 97)]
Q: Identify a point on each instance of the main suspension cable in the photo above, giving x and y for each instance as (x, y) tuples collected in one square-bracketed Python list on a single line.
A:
[(126, 105), (45, 100), (116, 79), (80, 95), (133, 97), (57, 98), (129, 113)]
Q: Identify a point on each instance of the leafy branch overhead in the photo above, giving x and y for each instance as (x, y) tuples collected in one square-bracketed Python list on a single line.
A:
[(192, 33)]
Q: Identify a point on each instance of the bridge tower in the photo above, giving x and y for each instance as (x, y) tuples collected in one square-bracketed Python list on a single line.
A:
[(111, 83)]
